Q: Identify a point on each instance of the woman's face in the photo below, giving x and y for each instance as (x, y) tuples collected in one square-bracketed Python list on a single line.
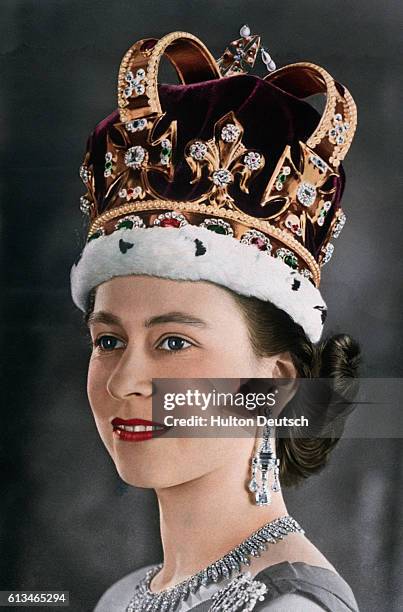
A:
[(160, 328)]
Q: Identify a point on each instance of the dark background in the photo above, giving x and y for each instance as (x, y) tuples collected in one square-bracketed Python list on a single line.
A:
[(67, 520)]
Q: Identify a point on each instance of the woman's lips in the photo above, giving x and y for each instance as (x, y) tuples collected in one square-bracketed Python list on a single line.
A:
[(137, 430), (117, 421)]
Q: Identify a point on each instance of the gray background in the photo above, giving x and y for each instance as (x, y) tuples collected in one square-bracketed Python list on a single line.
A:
[(67, 521)]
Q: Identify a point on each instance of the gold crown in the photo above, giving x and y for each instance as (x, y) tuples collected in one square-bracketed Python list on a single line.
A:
[(299, 213)]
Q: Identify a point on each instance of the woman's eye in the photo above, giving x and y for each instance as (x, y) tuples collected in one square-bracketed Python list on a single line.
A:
[(174, 343), (106, 343)]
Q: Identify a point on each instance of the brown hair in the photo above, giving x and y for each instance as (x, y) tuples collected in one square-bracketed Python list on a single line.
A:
[(273, 331)]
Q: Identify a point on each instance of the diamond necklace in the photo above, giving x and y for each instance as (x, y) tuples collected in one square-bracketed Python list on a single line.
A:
[(144, 600)]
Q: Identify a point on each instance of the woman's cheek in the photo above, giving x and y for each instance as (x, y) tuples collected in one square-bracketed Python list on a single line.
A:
[(97, 386)]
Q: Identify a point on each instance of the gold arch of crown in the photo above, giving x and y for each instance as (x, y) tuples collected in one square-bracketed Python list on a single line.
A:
[(300, 192)]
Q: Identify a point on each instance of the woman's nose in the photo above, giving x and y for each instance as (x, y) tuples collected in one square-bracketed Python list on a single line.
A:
[(131, 376)]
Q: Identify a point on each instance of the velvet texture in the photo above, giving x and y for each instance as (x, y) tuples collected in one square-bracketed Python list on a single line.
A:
[(271, 118)]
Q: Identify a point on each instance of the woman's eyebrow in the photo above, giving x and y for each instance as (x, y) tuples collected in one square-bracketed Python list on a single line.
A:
[(102, 316), (175, 317)]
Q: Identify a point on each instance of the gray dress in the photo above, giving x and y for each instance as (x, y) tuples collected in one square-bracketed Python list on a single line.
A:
[(296, 587)]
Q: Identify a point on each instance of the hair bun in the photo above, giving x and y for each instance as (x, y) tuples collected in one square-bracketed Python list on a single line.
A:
[(339, 357)]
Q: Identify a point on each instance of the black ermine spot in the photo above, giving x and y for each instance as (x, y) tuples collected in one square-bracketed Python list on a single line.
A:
[(124, 246), (200, 248)]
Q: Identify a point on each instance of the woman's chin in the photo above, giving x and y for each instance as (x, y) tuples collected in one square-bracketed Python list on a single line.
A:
[(144, 480)]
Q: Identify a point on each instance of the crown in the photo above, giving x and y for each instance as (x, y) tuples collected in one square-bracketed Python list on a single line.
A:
[(147, 167), (297, 202)]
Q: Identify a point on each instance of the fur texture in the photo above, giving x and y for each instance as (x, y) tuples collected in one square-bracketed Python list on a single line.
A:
[(196, 253)]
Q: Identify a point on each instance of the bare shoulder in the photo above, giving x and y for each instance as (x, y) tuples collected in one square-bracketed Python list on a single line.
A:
[(117, 596), (294, 548)]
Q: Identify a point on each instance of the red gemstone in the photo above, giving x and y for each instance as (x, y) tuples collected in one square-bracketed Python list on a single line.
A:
[(170, 222), (259, 242)]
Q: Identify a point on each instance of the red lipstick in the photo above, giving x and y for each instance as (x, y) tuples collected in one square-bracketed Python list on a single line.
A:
[(137, 430)]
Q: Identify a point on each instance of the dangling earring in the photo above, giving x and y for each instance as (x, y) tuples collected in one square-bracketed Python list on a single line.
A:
[(265, 461)]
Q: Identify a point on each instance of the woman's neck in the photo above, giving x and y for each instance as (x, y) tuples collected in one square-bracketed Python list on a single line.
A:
[(203, 519)]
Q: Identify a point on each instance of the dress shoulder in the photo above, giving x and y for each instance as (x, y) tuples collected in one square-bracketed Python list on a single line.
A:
[(291, 601), (117, 596), (302, 587)]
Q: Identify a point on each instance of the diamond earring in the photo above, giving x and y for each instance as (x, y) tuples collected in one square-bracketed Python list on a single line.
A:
[(265, 461)]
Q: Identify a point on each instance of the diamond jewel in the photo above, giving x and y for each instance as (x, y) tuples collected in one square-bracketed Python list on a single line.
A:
[(230, 132), (253, 160), (337, 133), (85, 205), (262, 499), (253, 486), (225, 570), (143, 600), (288, 257), (130, 222), (170, 219), (166, 150), (306, 194), (198, 150), (131, 193), (328, 252), (339, 226), (134, 83), (318, 162), (307, 273), (136, 125), (259, 240), (194, 583), (233, 562), (214, 575), (222, 177), (84, 173), (134, 157), (139, 89), (219, 226)]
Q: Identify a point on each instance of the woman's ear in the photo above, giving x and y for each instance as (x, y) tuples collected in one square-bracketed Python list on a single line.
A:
[(281, 367), (284, 366)]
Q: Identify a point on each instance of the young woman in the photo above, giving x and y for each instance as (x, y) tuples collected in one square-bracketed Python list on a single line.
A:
[(212, 205)]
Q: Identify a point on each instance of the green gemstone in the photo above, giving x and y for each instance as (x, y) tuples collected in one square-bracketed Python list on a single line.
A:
[(166, 152), (282, 178), (218, 229), (108, 165), (291, 261), (126, 224), (97, 234)]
